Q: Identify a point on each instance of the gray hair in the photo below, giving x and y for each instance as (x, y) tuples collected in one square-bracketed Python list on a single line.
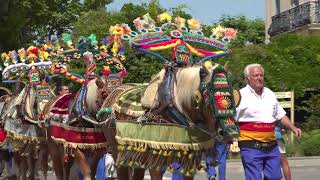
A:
[(249, 66)]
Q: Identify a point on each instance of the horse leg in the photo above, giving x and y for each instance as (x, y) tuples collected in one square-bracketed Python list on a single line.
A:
[(188, 178), (155, 174), (43, 162), (57, 159), (123, 173), (31, 166), (93, 165), (21, 166), (83, 164), (67, 168), (138, 174)]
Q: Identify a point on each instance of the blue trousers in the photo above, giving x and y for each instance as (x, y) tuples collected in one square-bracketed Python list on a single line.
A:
[(260, 164), (221, 152)]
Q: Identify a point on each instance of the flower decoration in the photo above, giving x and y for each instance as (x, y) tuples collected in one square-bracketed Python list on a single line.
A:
[(194, 25), (226, 34), (181, 22), (164, 18), (146, 23), (68, 40)]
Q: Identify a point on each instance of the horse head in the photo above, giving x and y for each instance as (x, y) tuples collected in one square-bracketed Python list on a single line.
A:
[(205, 95)]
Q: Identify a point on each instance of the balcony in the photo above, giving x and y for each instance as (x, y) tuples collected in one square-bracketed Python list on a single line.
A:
[(295, 18)]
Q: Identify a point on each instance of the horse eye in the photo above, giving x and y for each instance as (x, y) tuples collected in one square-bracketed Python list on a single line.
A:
[(14, 70), (6, 75)]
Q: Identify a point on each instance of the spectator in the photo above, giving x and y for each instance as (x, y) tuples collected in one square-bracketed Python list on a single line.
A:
[(284, 160)]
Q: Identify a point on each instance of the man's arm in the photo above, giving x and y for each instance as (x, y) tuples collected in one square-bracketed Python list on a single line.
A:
[(287, 123)]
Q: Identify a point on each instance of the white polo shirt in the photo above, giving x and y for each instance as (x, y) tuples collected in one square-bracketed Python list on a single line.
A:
[(258, 109)]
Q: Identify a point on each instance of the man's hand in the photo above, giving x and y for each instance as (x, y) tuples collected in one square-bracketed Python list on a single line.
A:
[(234, 147), (297, 132), (287, 123)]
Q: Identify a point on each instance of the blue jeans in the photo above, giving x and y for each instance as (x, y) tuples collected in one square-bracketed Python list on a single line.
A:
[(255, 162), (221, 152)]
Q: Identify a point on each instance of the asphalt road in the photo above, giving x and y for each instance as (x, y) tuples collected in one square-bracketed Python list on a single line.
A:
[(304, 168)]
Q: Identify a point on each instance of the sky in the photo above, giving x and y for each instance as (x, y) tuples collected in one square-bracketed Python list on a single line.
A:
[(208, 11)]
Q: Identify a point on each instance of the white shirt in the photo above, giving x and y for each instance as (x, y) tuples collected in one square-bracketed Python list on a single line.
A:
[(259, 109)]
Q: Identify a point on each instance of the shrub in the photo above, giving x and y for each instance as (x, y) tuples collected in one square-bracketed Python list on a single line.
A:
[(310, 143)]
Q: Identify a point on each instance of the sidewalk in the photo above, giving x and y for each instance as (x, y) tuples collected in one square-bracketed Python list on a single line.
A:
[(308, 161)]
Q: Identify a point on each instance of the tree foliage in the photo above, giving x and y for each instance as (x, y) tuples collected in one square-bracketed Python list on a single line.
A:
[(23, 22), (312, 107), (290, 62)]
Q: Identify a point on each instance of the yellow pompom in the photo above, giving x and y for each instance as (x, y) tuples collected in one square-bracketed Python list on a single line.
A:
[(165, 153), (154, 152), (192, 171), (182, 171), (179, 154), (130, 163)]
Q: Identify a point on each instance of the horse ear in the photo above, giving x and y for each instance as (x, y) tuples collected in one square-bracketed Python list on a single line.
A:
[(203, 71), (226, 66), (99, 83)]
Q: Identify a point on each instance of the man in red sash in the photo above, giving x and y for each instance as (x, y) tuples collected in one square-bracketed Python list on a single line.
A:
[(256, 114)]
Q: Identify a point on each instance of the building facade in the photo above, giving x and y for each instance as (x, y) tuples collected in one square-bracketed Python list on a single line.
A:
[(299, 16)]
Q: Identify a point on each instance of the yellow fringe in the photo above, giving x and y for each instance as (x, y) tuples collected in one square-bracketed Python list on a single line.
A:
[(166, 145), (3, 143), (127, 111), (71, 145), (18, 137)]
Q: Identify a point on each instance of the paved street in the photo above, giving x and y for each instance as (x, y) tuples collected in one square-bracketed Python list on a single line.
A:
[(305, 168)]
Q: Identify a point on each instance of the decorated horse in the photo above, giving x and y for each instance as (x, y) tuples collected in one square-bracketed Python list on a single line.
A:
[(24, 135), (172, 121), (74, 130), (5, 152)]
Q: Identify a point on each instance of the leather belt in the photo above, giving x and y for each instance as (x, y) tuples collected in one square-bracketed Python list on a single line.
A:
[(265, 146)]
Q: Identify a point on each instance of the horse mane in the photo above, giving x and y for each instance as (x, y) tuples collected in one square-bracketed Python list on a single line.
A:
[(186, 84), (91, 97)]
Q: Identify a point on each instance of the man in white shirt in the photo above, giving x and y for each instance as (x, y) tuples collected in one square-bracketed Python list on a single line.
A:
[(256, 114)]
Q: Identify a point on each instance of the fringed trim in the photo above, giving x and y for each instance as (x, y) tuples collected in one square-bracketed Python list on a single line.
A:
[(137, 157), (26, 139), (3, 143), (70, 145), (127, 111), (165, 145)]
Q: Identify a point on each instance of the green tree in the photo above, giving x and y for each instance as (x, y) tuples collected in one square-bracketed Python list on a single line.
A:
[(312, 107), (19, 22), (24, 22), (291, 62), (96, 4)]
